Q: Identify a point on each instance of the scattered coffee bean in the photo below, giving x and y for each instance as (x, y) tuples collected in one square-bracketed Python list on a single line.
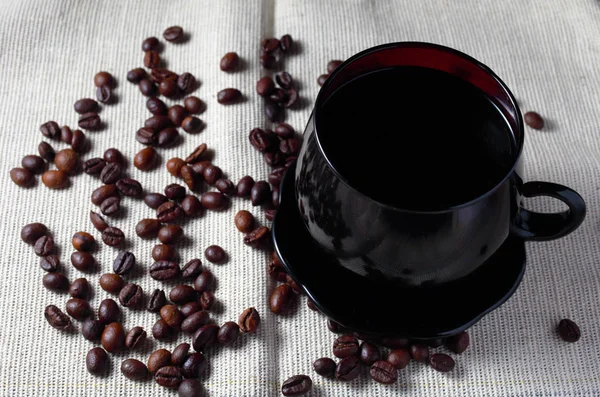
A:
[(57, 282), (80, 288), (280, 300), (175, 191), (104, 94), (124, 263), (169, 212), (272, 110), (419, 353), (258, 238), (192, 269), (176, 114), (244, 221), (110, 206), (225, 186), (96, 361), (180, 354), (150, 44), (147, 228), (212, 174), (111, 173), (194, 321), (151, 59), (334, 327), (170, 234), (89, 121), (50, 130), (347, 369), (92, 329), (144, 159), (158, 122), (172, 316), (194, 365), (135, 338), (207, 300), (131, 295), (186, 82), (113, 155), (112, 283), (534, 120), (441, 362), (79, 309), (279, 96), (182, 294), (83, 241), (345, 345), (189, 177), (260, 193), (67, 161), (156, 106), (50, 263), (162, 331), (285, 43), (44, 246), (108, 311), (158, 359), (156, 301), (147, 87), (85, 105), (52, 179), (458, 343), (56, 318), (31, 232), (244, 186), (249, 320), (284, 80), (103, 78), (568, 330), (191, 206), (215, 254), (399, 358), (265, 86), (134, 369), (103, 192), (204, 281), (191, 124), (267, 60), (46, 151), (325, 367), (228, 95), (229, 62), (154, 200), (322, 78), (262, 140), (129, 187), (169, 376), (168, 88), (383, 372), (34, 164), (135, 75), (173, 33), (165, 270), (368, 353), (98, 222), (297, 385), (228, 333), (66, 135), (78, 141), (194, 105), (205, 337), (215, 201), (113, 236), (174, 166)]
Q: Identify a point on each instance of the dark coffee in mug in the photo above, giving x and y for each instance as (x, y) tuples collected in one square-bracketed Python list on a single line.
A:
[(416, 138)]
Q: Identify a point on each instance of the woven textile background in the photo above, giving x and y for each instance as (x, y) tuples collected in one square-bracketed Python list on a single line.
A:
[(547, 51)]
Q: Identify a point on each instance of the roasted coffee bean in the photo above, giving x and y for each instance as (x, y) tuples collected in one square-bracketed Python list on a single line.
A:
[(146, 136), (158, 359), (225, 186), (272, 110), (103, 78), (80, 288), (154, 200), (170, 234), (276, 175), (93, 166), (78, 141), (147, 228), (347, 369), (85, 105), (262, 140), (134, 369), (293, 285), (162, 331), (66, 135), (156, 301), (291, 98), (345, 345), (31, 232), (325, 367), (113, 155), (194, 105), (383, 372), (194, 321), (419, 353), (228, 333), (215, 254), (214, 201), (191, 124), (175, 191), (33, 163), (284, 131), (131, 295), (50, 263), (130, 187), (249, 320), (534, 120), (158, 122), (244, 221), (276, 271), (332, 65), (267, 60), (168, 88), (568, 330), (194, 157), (52, 179), (156, 106), (191, 206), (110, 206), (280, 300), (104, 94), (194, 365), (265, 86), (44, 246), (124, 263), (368, 353), (205, 337), (212, 174), (285, 43), (207, 300), (279, 96), (200, 166), (173, 33), (335, 327), (92, 329), (111, 283), (163, 252), (180, 354), (192, 269), (169, 376), (150, 44), (269, 45), (158, 75), (204, 281), (89, 121), (258, 238), (108, 311), (182, 293), (190, 308), (46, 151), (399, 358), (172, 316), (441, 362), (83, 241), (50, 130), (67, 161), (186, 82), (96, 361), (56, 318), (102, 193), (176, 114), (144, 159), (135, 337), (169, 212), (260, 193), (270, 214), (165, 270), (322, 78), (284, 80), (229, 62), (297, 385), (174, 166), (289, 146), (135, 75), (228, 95), (79, 309), (458, 343), (273, 159), (113, 236), (111, 173), (147, 87), (151, 59)]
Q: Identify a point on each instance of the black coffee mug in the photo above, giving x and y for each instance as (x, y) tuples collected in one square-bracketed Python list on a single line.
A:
[(421, 247)]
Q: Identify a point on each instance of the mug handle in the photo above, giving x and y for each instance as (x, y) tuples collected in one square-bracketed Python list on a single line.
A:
[(535, 226)]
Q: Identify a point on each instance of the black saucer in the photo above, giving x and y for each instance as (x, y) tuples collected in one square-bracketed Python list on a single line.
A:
[(366, 305)]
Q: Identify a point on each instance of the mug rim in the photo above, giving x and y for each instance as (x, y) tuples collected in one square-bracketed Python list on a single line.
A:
[(520, 140)]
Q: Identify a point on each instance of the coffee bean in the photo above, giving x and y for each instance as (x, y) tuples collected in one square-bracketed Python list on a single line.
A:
[(173, 33), (108, 311), (134, 369), (194, 365), (212, 174), (194, 105), (158, 359), (110, 206), (96, 361), (289, 146), (190, 308), (89, 121), (56, 318), (104, 94), (147, 87), (50, 263), (458, 343), (168, 88), (269, 45), (31, 232), (182, 293), (347, 369), (113, 155), (103, 78), (44, 246), (284, 80), (156, 301), (131, 295), (215, 254), (163, 252), (534, 120), (50, 130), (111, 173), (285, 43), (180, 354), (80, 288), (92, 329), (174, 191), (260, 193), (280, 299), (157, 122), (191, 124), (124, 263), (568, 330), (262, 140), (151, 59), (79, 309), (66, 135), (135, 338), (176, 114), (83, 241), (276, 175), (204, 281), (170, 234), (192, 269), (228, 333), (441, 362), (150, 44), (399, 358), (194, 321), (228, 95), (244, 221), (368, 353), (325, 367), (130, 187), (383, 372), (205, 337), (169, 376), (162, 331), (156, 107), (102, 193), (172, 316), (78, 141), (169, 212), (111, 283), (113, 236), (174, 166), (258, 238), (267, 60), (144, 159), (292, 98), (279, 96), (322, 78), (191, 206), (154, 200), (46, 151), (34, 164), (275, 269), (146, 136), (297, 385), (147, 228), (199, 167), (189, 177), (249, 320), (419, 353), (93, 166), (67, 161), (186, 82), (165, 270), (215, 201), (265, 86), (272, 110), (135, 75), (345, 345), (225, 186), (85, 105), (52, 179), (207, 300)]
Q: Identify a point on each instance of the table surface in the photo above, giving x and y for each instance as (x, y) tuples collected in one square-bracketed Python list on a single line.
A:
[(548, 52)]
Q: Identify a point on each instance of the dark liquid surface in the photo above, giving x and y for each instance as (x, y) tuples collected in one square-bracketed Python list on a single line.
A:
[(416, 138)]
